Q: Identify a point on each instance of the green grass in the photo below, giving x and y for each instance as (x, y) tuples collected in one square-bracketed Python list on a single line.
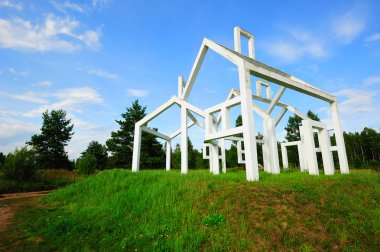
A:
[(45, 180), (118, 210)]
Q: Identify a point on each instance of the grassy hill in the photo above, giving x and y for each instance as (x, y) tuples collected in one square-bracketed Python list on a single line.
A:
[(157, 210)]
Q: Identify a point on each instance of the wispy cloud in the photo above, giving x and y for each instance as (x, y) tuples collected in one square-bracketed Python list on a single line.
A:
[(372, 80), (300, 43), (11, 4), (12, 71), (374, 37), (349, 25), (70, 99), (356, 101), (43, 84), (67, 5), (103, 74), (138, 92), (11, 127), (55, 34), (32, 97)]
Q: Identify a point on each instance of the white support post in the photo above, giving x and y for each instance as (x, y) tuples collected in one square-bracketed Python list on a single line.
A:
[(136, 149), (266, 156), (180, 86), (223, 155), (304, 149), (272, 144), (311, 157), (251, 164), (343, 163), (225, 115), (324, 144), (168, 155), (301, 157), (284, 154), (214, 151), (184, 154)]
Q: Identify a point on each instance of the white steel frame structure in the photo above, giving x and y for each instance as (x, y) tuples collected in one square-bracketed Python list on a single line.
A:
[(214, 139)]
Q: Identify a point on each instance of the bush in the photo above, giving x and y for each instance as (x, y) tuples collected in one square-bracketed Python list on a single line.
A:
[(20, 165), (374, 165), (86, 164)]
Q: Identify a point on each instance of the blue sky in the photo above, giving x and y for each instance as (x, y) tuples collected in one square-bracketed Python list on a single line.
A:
[(93, 58)]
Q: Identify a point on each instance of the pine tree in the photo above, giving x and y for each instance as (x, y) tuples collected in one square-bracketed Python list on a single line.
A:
[(121, 142), (56, 132), (99, 152)]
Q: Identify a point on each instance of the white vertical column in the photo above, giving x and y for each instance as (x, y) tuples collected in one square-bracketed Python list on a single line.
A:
[(225, 113), (136, 148), (214, 151), (311, 157), (168, 155), (301, 156), (266, 157), (251, 165), (343, 163), (303, 150), (273, 151), (284, 154), (324, 144), (184, 154), (180, 86)]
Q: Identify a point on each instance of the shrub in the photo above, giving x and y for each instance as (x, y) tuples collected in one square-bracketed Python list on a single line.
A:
[(86, 164), (20, 165), (374, 165)]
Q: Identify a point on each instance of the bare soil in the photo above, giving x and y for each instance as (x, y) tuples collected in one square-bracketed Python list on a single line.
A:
[(10, 203)]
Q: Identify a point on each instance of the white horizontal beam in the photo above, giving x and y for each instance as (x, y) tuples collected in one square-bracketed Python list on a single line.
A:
[(224, 133), (226, 104), (291, 143), (194, 109), (275, 100), (155, 133)]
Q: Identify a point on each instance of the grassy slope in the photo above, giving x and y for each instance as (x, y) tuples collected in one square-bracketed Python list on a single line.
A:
[(157, 210)]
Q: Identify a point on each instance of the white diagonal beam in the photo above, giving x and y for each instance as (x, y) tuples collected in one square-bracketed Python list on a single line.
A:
[(155, 133), (275, 100)]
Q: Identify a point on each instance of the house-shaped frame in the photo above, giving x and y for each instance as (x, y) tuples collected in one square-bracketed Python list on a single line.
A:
[(215, 139)]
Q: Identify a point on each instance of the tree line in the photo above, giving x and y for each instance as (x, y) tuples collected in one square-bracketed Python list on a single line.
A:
[(47, 149)]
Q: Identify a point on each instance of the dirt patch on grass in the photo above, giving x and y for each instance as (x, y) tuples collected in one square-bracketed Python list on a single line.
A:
[(12, 202)]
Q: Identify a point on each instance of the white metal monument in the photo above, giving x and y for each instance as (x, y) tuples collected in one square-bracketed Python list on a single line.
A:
[(215, 136)]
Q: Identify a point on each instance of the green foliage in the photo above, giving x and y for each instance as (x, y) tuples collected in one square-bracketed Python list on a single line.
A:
[(362, 148), (20, 165), (99, 152), (213, 219), (56, 132), (2, 159), (121, 142), (166, 211), (195, 160), (87, 164)]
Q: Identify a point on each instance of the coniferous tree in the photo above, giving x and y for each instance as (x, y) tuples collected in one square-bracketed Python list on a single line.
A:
[(56, 132), (121, 142), (99, 152)]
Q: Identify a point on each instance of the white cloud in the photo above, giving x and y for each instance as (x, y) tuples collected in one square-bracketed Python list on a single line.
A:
[(300, 44), (138, 92), (103, 74), (373, 37), (55, 34), (64, 6), (356, 101), (12, 5), (70, 99), (372, 80), (32, 97), (11, 127), (349, 25), (43, 84), (12, 71)]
